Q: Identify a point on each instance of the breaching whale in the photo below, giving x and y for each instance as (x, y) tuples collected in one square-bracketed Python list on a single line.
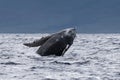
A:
[(55, 44)]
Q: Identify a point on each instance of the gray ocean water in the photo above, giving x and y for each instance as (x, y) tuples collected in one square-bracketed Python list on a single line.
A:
[(91, 57)]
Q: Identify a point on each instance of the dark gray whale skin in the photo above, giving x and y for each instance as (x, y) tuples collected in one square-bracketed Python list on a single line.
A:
[(56, 44)]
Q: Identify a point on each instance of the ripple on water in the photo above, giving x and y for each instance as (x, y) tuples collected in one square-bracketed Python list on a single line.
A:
[(10, 63)]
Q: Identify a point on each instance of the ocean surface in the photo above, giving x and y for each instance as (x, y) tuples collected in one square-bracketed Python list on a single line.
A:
[(91, 57)]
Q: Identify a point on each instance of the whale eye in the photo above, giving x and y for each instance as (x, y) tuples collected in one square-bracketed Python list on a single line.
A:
[(72, 33)]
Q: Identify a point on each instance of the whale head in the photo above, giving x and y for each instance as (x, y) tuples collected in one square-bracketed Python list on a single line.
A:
[(70, 32)]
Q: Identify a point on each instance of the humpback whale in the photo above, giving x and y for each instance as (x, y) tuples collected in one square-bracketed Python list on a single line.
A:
[(55, 44)]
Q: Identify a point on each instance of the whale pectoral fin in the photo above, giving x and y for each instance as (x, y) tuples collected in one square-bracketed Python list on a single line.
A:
[(37, 42), (67, 47), (33, 44)]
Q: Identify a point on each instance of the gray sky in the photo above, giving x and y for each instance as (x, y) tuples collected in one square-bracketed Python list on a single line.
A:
[(88, 16)]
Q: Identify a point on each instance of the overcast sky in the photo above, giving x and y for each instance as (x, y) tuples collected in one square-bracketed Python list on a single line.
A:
[(41, 16)]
